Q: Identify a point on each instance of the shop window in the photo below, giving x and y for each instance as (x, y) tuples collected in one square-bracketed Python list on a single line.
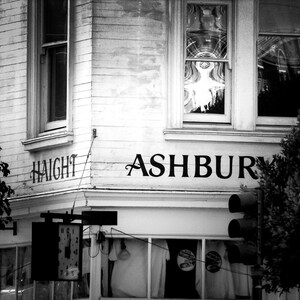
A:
[(15, 273), (200, 62), (49, 69), (172, 268), (278, 60)]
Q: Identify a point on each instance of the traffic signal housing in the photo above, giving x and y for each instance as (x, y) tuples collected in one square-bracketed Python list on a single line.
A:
[(247, 250)]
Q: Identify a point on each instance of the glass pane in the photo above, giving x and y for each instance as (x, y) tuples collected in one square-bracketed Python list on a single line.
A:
[(43, 290), (55, 20), (278, 76), (278, 16), (62, 290), (7, 273), (82, 287), (25, 284), (183, 272), (128, 264), (224, 280), (58, 83), (159, 257), (204, 87), (206, 31)]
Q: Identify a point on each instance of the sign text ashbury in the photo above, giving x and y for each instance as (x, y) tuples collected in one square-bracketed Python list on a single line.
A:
[(202, 166)]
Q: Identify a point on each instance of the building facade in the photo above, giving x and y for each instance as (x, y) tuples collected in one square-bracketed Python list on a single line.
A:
[(154, 109)]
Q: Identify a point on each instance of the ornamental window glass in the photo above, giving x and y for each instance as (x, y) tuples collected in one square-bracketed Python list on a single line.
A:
[(207, 61)]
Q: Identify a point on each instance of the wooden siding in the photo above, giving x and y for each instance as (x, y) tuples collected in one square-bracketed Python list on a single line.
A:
[(13, 100), (119, 87)]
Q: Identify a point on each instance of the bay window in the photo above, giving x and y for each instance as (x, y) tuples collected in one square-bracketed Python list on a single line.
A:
[(234, 68)]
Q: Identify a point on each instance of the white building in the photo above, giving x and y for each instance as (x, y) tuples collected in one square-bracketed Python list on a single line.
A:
[(154, 109)]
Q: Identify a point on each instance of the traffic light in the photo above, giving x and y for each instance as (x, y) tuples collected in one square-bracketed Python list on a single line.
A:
[(248, 250)]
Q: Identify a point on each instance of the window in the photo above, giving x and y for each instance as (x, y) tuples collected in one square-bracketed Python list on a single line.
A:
[(200, 42), (15, 273), (207, 62), (278, 60), (172, 268), (232, 65), (48, 72)]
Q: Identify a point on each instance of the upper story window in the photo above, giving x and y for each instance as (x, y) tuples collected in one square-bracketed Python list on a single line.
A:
[(49, 84), (278, 60), (54, 63), (207, 61), (233, 69), (200, 62)]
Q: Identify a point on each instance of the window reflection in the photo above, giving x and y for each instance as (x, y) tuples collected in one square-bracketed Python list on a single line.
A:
[(7, 267), (278, 58), (204, 87), (278, 76), (206, 44)]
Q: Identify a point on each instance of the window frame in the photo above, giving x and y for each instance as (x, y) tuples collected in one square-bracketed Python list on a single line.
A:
[(271, 120), (245, 126), (150, 241), (17, 280), (41, 135), (176, 61)]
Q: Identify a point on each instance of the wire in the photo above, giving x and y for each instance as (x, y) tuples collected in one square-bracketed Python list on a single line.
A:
[(87, 157), (15, 270), (194, 258)]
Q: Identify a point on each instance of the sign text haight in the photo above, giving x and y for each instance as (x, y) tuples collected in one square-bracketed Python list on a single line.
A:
[(202, 166), (53, 168)]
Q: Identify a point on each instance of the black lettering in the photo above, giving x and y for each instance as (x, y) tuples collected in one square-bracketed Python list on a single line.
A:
[(56, 176), (219, 164), (184, 166), (64, 166), (198, 165), (45, 171), (140, 165), (248, 167), (72, 161), (157, 165)]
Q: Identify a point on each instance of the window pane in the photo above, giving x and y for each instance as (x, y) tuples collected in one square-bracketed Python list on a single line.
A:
[(58, 83), (204, 87), (7, 273), (25, 283), (159, 257), (128, 262), (278, 16), (62, 290), (82, 287), (278, 76), (224, 280), (183, 273), (55, 20), (43, 290), (206, 31)]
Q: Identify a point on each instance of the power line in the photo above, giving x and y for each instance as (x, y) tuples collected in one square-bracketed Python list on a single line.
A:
[(87, 157)]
